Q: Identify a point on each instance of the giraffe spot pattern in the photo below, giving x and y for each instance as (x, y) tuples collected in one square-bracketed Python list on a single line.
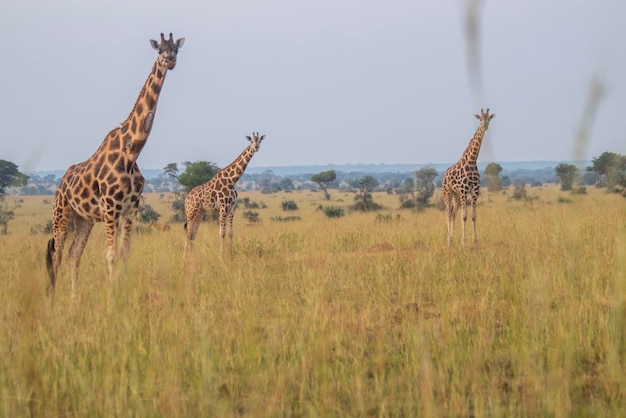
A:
[(108, 183), (115, 142)]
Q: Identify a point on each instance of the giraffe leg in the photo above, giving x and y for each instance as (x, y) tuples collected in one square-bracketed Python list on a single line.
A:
[(110, 226), (82, 229), (223, 221), (193, 219), (127, 229), (463, 218), (229, 227), (455, 209), (474, 218), (61, 218), (450, 212), (55, 254)]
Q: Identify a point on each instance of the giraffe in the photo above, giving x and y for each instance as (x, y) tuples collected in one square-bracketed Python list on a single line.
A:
[(218, 194), (106, 187), (462, 180)]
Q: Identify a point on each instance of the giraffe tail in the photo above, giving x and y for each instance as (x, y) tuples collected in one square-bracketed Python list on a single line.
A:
[(49, 263)]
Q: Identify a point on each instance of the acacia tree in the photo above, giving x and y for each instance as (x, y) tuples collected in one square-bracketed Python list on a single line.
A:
[(9, 176), (171, 170), (323, 180), (363, 189), (566, 174), (609, 169), (492, 176), (196, 174)]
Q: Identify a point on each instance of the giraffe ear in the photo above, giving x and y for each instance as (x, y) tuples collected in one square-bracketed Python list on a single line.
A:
[(477, 117), (492, 116), (154, 44), (262, 137), (180, 42), (249, 139)]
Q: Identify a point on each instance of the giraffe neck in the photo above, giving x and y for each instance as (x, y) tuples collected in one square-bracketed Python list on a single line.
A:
[(235, 170), (131, 136), (470, 156)]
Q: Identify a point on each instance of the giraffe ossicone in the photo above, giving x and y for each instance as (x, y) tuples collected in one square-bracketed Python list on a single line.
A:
[(218, 195), (106, 187), (462, 180)]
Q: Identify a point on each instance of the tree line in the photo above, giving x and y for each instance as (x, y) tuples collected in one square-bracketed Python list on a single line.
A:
[(606, 171)]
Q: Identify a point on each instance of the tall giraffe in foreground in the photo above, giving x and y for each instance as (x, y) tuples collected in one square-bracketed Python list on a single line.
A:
[(462, 180), (218, 194), (106, 187)]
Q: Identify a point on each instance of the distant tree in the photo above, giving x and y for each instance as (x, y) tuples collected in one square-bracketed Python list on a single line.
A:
[(268, 186), (363, 189), (425, 185), (10, 176), (519, 191), (171, 170), (286, 184), (566, 173), (49, 179), (492, 176), (178, 207), (408, 185), (418, 190), (609, 169), (6, 214), (196, 173), (323, 180)]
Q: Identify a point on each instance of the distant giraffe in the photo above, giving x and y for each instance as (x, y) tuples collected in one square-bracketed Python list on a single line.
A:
[(106, 187), (218, 194), (462, 180)]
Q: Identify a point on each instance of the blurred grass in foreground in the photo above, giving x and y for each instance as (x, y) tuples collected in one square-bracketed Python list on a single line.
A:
[(356, 316)]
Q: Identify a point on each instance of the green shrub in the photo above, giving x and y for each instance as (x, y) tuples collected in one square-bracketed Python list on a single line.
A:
[(333, 211), (289, 205)]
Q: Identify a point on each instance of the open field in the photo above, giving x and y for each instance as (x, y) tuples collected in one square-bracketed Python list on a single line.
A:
[(366, 315)]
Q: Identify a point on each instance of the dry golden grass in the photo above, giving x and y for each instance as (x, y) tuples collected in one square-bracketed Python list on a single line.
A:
[(357, 316)]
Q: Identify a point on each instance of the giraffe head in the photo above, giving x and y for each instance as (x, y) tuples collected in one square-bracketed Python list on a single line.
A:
[(168, 50), (255, 141), (484, 118)]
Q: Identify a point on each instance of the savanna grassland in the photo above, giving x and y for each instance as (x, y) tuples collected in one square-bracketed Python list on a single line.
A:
[(369, 315)]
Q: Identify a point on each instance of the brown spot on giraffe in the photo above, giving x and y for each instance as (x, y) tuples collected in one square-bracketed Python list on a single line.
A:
[(218, 195), (106, 187), (462, 180)]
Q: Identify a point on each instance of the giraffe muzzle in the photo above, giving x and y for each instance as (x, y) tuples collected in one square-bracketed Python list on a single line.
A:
[(170, 63)]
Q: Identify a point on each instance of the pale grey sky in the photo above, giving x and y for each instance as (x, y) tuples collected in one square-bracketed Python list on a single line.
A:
[(328, 81)]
